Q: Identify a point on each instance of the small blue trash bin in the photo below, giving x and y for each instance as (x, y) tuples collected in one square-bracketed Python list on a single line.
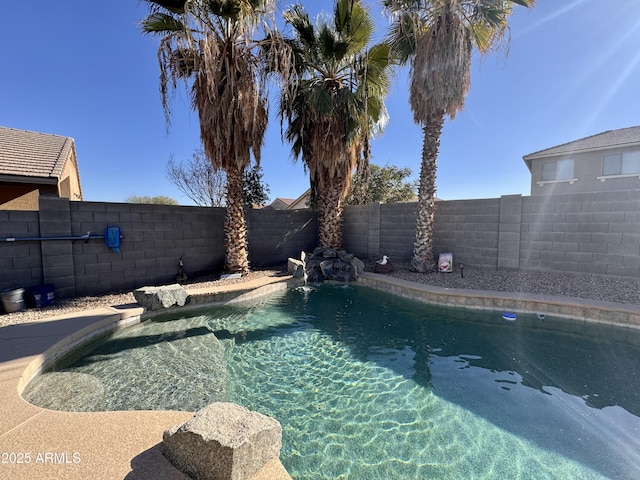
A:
[(42, 295)]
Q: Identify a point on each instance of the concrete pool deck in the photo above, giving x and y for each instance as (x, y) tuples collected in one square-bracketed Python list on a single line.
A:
[(111, 445)]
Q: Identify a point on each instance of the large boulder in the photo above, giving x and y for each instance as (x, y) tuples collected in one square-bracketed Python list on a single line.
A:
[(223, 441), (357, 266), (155, 298)]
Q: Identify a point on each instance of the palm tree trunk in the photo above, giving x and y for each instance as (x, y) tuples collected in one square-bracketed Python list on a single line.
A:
[(423, 260), (330, 216), (235, 226), (363, 173)]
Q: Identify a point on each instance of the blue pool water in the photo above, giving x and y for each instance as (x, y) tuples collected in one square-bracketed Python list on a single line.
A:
[(370, 386)]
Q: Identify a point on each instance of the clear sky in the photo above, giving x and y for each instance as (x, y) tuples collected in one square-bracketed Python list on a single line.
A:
[(82, 69)]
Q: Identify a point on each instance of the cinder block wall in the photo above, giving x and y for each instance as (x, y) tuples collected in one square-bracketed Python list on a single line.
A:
[(595, 234), (467, 228), (57, 255), (470, 230), (397, 229), (275, 235), (585, 233), (155, 237), (362, 230), (20, 262)]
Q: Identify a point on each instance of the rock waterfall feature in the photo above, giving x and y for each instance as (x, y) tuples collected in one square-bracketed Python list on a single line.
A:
[(326, 264)]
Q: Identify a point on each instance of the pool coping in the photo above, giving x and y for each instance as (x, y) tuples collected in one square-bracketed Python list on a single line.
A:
[(107, 445), (531, 305)]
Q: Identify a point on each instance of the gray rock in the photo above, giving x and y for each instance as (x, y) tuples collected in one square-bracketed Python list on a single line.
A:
[(326, 267), (155, 298), (314, 275), (345, 257), (329, 253), (223, 441), (356, 268)]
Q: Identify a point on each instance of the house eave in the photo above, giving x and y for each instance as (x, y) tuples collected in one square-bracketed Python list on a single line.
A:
[(535, 156), (528, 159), (28, 179)]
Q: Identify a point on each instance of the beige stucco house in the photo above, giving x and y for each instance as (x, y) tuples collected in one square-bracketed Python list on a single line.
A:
[(33, 164), (600, 163)]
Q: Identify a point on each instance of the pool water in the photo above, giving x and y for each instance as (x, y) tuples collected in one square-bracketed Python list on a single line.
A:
[(370, 386)]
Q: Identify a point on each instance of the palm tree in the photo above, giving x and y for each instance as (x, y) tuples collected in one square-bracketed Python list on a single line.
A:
[(437, 38), (333, 89), (208, 44)]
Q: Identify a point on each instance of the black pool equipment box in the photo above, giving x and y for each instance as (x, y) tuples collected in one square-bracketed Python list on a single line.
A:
[(42, 295)]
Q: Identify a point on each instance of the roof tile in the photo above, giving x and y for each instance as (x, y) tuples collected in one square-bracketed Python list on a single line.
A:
[(33, 154)]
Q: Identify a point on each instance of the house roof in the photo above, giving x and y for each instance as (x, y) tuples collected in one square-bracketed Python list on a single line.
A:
[(301, 201), (32, 156), (281, 203), (611, 138)]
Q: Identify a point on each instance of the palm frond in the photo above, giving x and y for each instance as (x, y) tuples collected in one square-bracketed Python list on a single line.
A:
[(320, 102), (437, 37), (377, 67), (332, 48), (228, 9), (175, 6), (404, 33), (337, 100), (161, 23), (524, 3), (356, 25), (298, 18)]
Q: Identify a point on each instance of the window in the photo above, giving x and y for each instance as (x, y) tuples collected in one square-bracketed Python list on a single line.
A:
[(627, 163), (557, 170)]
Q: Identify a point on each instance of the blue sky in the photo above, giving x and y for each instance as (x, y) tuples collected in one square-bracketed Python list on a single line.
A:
[(83, 69)]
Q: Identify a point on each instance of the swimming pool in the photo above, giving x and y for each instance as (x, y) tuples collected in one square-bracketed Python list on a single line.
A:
[(367, 385)]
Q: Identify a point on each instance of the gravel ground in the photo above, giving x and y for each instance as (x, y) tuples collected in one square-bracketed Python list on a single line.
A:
[(545, 283), (541, 283), (68, 305)]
